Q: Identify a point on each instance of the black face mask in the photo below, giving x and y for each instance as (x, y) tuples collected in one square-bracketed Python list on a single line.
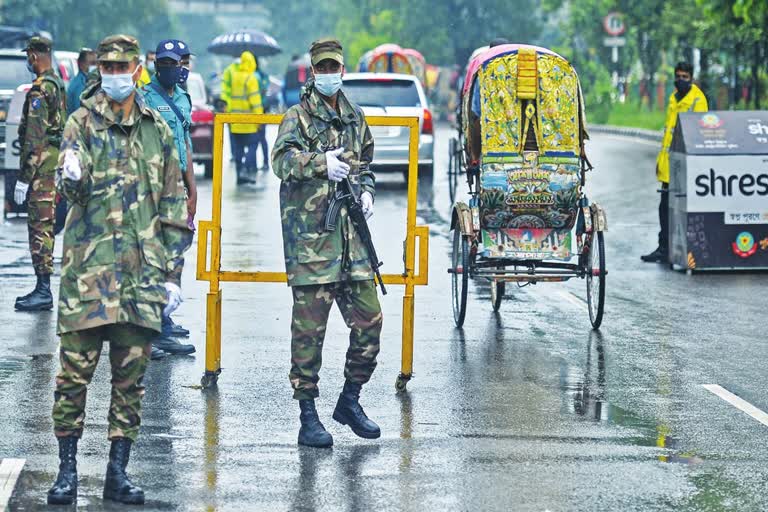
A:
[(168, 76), (682, 86)]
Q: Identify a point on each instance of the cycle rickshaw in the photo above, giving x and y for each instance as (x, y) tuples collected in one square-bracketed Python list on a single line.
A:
[(528, 219), (456, 144)]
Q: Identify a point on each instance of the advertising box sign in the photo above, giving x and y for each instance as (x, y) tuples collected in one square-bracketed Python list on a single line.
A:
[(719, 191)]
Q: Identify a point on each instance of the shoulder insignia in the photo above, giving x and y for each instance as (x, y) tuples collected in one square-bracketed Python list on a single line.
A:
[(35, 104)]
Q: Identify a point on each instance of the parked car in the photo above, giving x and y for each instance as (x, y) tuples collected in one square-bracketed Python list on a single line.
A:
[(66, 65), (13, 73), (393, 94), (202, 123)]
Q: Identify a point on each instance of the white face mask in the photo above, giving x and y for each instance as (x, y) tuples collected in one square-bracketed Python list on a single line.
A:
[(328, 84), (92, 68), (118, 87)]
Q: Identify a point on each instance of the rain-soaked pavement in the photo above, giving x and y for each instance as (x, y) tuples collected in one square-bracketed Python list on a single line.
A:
[(527, 409)]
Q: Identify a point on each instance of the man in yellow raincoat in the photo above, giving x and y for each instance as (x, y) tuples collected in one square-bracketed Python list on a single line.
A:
[(244, 98), (686, 98)]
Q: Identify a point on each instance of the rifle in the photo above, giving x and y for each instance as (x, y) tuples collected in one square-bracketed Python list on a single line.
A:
[(345, 195)]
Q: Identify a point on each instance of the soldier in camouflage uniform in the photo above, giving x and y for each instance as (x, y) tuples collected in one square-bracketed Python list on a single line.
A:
[(125, 237), (42, 122), (321, 141)]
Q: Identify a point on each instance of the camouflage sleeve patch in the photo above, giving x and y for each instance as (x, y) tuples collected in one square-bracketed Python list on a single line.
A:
[(291, 158), (35, 143)]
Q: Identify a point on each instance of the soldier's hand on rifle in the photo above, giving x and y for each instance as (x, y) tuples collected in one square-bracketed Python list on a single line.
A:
[(71, 169), (20, 192), (174, 298), (337, 170), (367, 203)]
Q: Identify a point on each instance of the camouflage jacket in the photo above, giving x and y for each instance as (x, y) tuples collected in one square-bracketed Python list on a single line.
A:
[(126, 230), (312, 255), (42, 121)]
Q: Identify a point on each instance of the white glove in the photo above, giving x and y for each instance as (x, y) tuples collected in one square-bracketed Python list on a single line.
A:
[(174, 298), (337, 170), (367, 200), (20, 193), (71, 168)]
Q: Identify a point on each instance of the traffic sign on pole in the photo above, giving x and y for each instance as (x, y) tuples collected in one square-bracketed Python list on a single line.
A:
[(613, 23)]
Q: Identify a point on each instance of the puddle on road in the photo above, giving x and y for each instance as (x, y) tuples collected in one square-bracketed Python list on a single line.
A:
[(589, 401), (11, 365)]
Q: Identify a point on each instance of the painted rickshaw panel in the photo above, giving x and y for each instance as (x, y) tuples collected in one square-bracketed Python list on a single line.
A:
[(528, 199)]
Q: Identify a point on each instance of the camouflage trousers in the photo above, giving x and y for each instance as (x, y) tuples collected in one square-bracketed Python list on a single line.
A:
[(129, 349), (359, 305), (41, 218)]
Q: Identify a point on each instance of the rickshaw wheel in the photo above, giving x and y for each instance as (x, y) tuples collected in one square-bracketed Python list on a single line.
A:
[(596, 280), (497, 294), (460, 276), (453, 175)]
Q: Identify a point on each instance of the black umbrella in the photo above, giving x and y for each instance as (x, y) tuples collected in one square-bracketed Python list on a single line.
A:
[(235, 43)]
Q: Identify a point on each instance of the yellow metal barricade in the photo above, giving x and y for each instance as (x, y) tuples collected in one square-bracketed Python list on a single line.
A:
[(209, 239)]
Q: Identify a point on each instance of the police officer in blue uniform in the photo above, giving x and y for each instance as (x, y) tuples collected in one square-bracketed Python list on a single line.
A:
[(86, 63), (164, 94)]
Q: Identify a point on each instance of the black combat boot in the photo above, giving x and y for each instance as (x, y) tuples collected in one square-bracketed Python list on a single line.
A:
[(172, 346), (171, 328), (40, 299), (64, 490), (117, 487), (157, 354), (312, 432), (350, 412)]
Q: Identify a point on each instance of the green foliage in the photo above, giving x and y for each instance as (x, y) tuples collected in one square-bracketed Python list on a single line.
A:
[(635, 115), (77, 23), (445, 32), (597, 88)]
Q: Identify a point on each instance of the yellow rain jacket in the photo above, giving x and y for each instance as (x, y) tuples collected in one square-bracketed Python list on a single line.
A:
[(226, 80), (244, 93), (144, 79), (694, 101)]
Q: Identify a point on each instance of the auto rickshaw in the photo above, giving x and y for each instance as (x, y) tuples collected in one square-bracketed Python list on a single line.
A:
[(528, 219)]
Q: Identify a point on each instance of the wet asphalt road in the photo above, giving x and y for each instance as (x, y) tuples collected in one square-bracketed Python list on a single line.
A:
[(527, 409)]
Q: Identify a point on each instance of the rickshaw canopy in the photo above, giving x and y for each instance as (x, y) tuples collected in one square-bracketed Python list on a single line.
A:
[(480, 58), (390, 58)]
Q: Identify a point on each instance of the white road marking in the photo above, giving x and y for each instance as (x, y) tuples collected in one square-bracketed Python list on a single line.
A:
[(573, 299), (10, 469), (738, 403), (636, 140)]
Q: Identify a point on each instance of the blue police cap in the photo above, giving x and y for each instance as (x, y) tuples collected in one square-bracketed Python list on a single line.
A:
[(183, 48), (168, 49)]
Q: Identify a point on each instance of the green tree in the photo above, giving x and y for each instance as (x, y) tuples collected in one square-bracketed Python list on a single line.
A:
[(77, 23)]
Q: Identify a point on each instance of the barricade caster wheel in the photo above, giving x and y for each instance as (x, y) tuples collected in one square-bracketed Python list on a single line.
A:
[(401, 383), (209, 380)]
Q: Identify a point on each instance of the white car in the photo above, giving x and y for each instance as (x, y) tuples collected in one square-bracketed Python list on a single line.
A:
[(392, 94)]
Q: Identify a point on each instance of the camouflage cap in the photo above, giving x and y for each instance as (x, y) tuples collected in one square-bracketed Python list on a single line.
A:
[(328, 48), (39, 44), (118, 48)]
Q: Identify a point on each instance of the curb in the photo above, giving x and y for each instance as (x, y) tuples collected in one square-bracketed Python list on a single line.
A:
[(625, 131)]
